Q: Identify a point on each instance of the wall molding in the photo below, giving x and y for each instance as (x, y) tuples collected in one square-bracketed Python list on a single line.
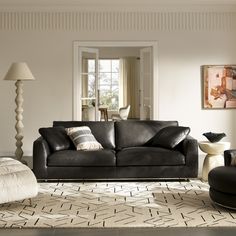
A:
[(117, 21)]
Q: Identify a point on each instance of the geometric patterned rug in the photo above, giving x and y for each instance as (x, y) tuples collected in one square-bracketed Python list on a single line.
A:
[(117, 204)]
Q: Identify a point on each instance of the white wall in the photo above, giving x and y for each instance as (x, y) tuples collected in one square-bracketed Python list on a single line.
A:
[(180, 80), (49, 54), (118, 52)]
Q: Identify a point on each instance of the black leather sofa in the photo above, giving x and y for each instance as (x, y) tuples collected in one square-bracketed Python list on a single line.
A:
[(124, 156)]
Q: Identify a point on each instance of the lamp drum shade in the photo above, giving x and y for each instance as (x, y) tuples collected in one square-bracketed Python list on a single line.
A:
[(19, 71)]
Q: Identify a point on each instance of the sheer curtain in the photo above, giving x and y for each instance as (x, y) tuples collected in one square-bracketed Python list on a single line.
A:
[(129, 84)]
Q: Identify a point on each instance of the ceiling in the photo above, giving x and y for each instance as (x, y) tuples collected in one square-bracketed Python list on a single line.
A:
[(113, 2), (123, 5)]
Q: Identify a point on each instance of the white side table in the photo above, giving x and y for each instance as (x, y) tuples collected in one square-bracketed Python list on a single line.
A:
[(214, 156)]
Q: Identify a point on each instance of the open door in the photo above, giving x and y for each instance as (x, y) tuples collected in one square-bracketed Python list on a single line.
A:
[(146, 85), (88, 84)]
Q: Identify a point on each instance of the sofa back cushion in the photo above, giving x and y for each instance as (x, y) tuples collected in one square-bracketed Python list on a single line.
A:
[(137, 133), (103, 131)]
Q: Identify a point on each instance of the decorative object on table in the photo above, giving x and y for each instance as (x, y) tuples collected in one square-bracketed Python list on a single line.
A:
[(18, 72), (219, 86), (214, 137)]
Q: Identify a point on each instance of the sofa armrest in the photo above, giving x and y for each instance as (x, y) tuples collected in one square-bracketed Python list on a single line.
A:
[(229, 155), (189, 148), (41, 151)]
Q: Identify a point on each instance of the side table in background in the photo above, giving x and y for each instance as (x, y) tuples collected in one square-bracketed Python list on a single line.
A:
[(214, 156)]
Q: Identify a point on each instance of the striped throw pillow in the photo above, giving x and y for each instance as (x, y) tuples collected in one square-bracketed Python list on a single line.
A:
[(83, 138)]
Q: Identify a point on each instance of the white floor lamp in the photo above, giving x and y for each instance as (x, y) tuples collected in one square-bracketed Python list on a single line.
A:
[(19, 71)]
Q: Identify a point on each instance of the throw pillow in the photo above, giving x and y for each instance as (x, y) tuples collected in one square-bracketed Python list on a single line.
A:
[(83, 138), (56, 137), (169, 137)]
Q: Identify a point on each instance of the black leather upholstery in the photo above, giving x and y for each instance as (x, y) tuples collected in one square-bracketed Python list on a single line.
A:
[(102, 131), (137, 133), (169, 137), (41, 152), (222, 181), (224, 199), (57, 138), (118, 173), (149, 156), (189, 147), (82, 158), (137, 161), (229, 156)]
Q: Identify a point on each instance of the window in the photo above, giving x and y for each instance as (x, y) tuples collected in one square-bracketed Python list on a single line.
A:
[(108, 83)]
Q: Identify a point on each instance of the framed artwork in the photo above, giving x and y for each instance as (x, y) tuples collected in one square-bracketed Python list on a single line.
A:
[(219, 86)]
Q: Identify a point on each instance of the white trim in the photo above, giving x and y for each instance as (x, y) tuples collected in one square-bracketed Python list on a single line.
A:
[(75, 95), (76, 98), (142, 75), (152, 44)]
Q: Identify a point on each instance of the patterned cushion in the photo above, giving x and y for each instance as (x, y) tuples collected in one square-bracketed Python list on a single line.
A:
[(83, 139)]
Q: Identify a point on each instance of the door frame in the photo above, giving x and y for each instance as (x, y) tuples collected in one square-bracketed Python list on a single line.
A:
[(77, 44), (142, 99), (79, 102)]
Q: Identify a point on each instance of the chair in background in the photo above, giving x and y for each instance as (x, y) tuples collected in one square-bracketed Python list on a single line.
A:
[(123, 114)]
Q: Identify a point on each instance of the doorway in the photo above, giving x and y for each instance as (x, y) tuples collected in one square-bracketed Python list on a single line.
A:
[(100, 79)]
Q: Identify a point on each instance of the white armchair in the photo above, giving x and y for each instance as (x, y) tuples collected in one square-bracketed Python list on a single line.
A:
[(123, 114)]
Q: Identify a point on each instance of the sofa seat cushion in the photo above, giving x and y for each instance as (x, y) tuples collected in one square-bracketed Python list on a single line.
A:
[(149, 156), (82, 158)]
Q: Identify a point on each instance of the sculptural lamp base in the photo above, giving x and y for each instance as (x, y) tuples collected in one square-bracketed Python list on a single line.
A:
[(19, 117), (17, 72)]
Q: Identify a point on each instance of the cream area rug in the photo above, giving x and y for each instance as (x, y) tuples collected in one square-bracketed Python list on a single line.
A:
[(118, 204)]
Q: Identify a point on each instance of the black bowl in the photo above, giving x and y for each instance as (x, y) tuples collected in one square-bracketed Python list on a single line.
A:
[(214, 137)]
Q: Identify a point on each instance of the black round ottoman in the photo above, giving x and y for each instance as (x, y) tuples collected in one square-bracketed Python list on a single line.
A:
[(222, 181)]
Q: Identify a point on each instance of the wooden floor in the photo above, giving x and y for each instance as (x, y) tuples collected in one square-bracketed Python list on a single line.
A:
[(216, 231)]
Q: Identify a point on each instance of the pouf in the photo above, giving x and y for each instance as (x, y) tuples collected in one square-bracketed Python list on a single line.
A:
[(222, 181), (17, 181)]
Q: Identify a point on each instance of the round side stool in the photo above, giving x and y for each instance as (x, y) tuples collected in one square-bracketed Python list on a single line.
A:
[(214, 157), (222, 181)]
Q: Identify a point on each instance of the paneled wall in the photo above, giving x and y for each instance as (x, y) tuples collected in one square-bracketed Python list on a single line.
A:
[(117, 21)]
